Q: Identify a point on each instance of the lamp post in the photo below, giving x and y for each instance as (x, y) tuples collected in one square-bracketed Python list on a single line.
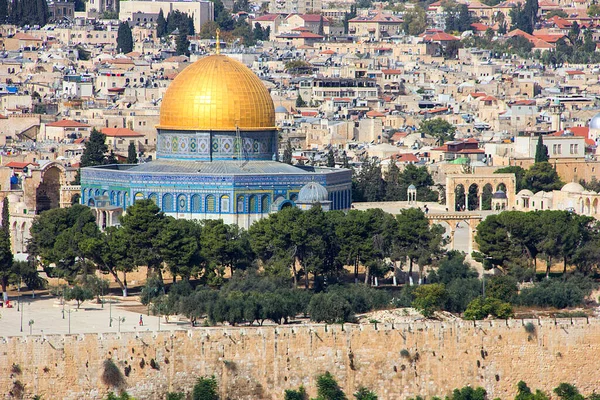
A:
[(69, 312), (22, 307), (110, 314), (119, 320), (19, 294), (31, 325)]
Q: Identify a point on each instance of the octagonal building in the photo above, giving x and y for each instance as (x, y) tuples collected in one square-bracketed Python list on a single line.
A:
[(216, 155)]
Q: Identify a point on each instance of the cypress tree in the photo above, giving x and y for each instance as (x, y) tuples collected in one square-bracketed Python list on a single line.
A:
[(124, 38), (330, 159), (182, 44), (300, 101), (3, 11), (541, 151), (131, 154), (345, 161), (287, 153), (6, 256), (161, 24)]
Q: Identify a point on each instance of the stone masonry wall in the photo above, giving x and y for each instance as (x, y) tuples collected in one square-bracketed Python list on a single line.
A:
[(261, 362)]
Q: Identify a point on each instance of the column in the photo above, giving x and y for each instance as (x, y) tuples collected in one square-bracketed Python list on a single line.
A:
[(480, 194), (466, 200)]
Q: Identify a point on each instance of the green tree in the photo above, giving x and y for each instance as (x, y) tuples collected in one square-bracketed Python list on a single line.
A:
[(438, 128), (300, 101), (345, 161), (287, 153), (161, 24), (328, 388), (330, 308), (593, 10), (481, 308), (365, 394), (132, 154), (179, 245), (3, 11), (124, 38), (524, 393), (414, 21), (542, 176), (369, 184), (541, 151), (519, 175), (468, 393), (206, 388), (182, 44), (143, 225), (417, 240), (429, 298), (6, 255), (225, 246), (94, 152), (79, 294), (393, 188)]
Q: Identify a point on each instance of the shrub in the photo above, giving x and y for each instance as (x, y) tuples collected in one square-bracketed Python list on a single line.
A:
[(567, 391), (112, 376), (557, 293), (79, 294), (429, 298), (502, 287), (365, 394), (299, 394), (205, 389), (529, 328), (175, 396), (328, 388), (460, 292), (362, 298), (481, 308)]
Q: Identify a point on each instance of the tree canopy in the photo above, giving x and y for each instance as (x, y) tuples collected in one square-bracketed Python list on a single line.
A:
[(438, 128)]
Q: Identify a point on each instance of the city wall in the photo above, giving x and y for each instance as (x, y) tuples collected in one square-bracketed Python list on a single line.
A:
[(397, 361)]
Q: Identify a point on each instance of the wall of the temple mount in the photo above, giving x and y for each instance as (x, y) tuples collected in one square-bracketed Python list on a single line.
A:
[(261, 362)]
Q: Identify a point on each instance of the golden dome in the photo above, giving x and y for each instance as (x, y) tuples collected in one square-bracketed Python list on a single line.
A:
[(217, 93)]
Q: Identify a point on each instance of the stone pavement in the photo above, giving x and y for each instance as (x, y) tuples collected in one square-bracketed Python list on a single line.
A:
[(47, 315)]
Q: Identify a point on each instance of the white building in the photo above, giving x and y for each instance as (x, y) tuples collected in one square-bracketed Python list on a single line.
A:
[(201, 11)]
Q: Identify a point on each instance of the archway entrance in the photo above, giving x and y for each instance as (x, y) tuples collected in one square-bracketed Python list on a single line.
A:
[(460, 198), (474, 185), (48, 192)]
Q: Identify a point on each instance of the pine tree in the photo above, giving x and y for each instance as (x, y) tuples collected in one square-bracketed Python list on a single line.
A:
[(300, 101), (6, 256), (287, 153), (330, 159), (131, 154), (95, 150), (124, 38), (541, 151), (393, 189), (321, 29), (345, 161), (161, 24)]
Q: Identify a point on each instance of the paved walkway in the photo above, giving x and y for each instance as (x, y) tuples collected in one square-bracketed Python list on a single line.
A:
[(46, 314)]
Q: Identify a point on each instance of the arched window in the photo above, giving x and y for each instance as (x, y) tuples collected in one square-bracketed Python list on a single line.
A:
[(118, 198), (294, 196), (264, 204), (167, 202), (139, 196), (181, 203), (240, 205), (252, 205), (196, 203), (210, 203), (224, 204), (153, 197)]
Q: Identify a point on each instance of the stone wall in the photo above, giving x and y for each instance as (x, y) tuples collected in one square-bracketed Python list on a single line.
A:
[(261, 362)]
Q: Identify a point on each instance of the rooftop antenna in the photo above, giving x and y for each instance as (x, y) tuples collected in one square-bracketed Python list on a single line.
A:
[(218, 42)]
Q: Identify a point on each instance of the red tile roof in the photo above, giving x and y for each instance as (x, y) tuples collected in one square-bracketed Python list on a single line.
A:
[(120, 132), (267, 17), (66, 123), (406, 157), (19, 165)]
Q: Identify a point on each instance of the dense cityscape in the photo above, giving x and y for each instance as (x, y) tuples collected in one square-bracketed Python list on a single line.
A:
[(301, 199)]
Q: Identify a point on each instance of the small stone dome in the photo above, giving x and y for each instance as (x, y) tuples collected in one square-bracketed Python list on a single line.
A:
[(525, 193), (281, 110), (573, 187), (313, 192), (595, 122), (412, 187), (499, 195)]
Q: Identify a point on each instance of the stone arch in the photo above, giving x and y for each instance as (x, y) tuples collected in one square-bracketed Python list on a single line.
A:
[(588, 206), (167, 202), (138, 196), (473, 198), (91, 202), (460, 197), (48, 192), (501, 186), (595, 206), (486, 196), (481, 180)]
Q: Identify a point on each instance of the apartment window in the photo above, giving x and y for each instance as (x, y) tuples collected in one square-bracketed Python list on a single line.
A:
[(571, 148), (576, 146), (554, 147), (560, 149)]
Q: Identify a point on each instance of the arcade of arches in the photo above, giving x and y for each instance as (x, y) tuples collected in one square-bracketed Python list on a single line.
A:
[(474, 192)]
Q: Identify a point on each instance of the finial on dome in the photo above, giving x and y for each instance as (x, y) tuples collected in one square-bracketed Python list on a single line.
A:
[(218, 42)]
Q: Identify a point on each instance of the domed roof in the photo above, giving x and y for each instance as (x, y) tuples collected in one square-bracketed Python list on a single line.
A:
[(412, 187), (281, 109), (313, 192), (525, 192), (572, 187), (499, 195), (595, 122), (217, 93)]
